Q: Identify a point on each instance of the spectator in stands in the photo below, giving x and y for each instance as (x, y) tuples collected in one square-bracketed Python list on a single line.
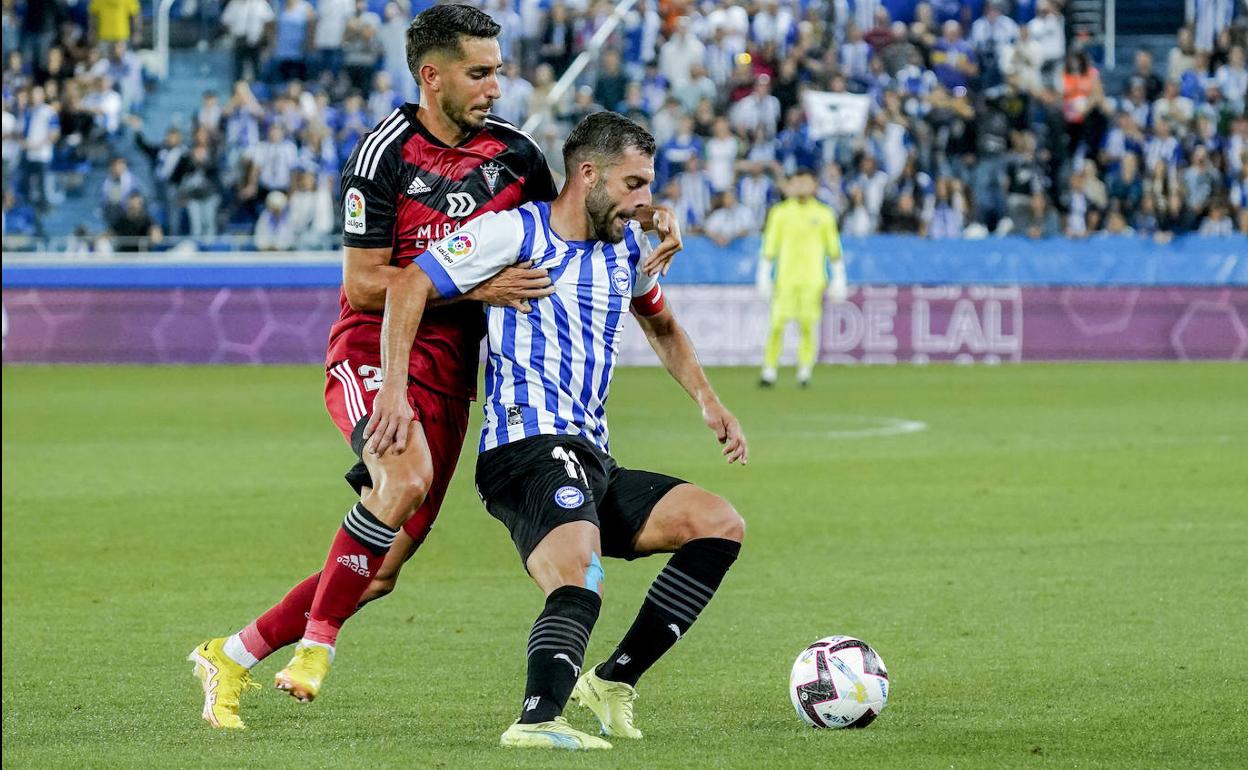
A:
[(311, 211), (558, 38), (1232, 79), (116, 188), (676, 153), (1041, 220), (722, 151), (21, 222), (695, 193), (274, 229), (1024, 59), (757, 192), (1201, 181), (1143, 75), (517, 91), (1126, 188), (678, 55), (901, 216), (169, 161), (271, 164), (104, 104), (1048, 29), (1182, 57), (1116, 224), (855, 56), (858, 221), (729, 220), (1177, 218), (199, 191), (610, 82), (361, 51), (392, 35), (331, 21), (991, 35), (114, 21), (1174, 109), (292, 42), (947, 217), (42, 130), (758, 111), (133, 228), (1145, 222), (1217, 223), (247, 21)]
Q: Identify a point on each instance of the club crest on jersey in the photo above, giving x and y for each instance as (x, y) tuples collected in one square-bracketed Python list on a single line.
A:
[(491, 171), (619, 279), (353, 211), (569, 497)]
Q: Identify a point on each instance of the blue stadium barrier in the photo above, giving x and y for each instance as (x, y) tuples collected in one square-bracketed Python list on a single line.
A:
[(1188, 261)]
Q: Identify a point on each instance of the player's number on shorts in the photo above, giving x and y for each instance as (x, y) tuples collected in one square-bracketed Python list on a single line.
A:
[(570, 463), (371, 376)]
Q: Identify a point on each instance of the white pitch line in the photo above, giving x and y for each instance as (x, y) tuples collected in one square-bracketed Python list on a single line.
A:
[(872, 427)]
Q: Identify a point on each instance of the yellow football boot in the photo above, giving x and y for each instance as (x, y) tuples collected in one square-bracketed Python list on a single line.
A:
[(224, 681), (611, 702), (305, 672), (555, 734)]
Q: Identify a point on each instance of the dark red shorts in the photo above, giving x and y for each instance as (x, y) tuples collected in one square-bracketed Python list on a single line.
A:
[(350, 387)]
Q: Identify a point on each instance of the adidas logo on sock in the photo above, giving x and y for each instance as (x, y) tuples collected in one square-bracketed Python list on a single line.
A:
[(357, 563), (417, 187)]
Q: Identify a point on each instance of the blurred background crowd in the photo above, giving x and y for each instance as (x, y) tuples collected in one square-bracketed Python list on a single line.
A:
[(988, 117)]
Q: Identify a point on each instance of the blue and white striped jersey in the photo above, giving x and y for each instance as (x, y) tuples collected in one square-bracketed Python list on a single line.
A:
[(548, 371)]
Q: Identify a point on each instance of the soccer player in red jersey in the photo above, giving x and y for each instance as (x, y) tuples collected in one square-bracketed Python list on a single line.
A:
[(414, 179)]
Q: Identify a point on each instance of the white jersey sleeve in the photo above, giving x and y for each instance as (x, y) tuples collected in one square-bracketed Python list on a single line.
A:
[(642, 284), (474, 253)]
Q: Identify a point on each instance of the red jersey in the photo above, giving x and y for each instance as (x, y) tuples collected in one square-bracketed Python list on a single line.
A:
[(403, 189)]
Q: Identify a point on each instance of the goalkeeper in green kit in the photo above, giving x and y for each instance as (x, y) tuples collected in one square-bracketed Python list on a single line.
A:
[(799, 242)]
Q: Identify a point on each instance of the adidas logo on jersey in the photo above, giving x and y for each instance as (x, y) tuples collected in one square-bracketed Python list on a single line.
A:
[(417, 187), (357, 563)]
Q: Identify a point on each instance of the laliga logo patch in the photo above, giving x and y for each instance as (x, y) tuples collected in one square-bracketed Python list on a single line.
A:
[(619, 279), (459, 246), (353, 212), (569, 497)]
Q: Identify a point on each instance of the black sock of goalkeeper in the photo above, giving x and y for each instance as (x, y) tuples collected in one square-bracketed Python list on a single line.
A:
[(677, 596), (557, 651)]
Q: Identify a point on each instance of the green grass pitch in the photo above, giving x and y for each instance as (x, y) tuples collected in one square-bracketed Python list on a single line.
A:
[(1055, 571)]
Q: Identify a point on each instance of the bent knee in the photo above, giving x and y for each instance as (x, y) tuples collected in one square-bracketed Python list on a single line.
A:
[(583, 570), (716, 519), (405, 491)]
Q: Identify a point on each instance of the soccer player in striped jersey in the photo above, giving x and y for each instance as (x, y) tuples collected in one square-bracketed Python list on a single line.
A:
[(419, 175), (545, 469)]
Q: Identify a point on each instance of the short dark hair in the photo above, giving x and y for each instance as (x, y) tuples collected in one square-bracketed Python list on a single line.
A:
[(438, 29), (604, 137)]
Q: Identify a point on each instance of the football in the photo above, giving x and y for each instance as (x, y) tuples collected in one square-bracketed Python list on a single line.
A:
[(838, 681)]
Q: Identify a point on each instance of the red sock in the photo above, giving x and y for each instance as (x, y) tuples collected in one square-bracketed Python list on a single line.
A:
[(283, 623), (357, 552)]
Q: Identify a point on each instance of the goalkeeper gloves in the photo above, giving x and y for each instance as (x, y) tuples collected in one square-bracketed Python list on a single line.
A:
[(762, 278), (838, 289)]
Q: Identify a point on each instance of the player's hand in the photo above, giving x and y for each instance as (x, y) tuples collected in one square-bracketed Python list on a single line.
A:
[(762, 279), (514, 287), (661, 220), (728, 431), (390, 422)]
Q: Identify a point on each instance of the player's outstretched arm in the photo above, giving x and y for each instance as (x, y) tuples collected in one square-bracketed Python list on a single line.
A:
[(367, 273), (675, 350), (392, 415)]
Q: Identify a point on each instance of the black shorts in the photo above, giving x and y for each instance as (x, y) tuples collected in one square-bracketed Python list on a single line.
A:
[(539, 483)]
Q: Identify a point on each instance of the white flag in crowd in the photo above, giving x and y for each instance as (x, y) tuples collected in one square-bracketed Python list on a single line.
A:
[(832, 114)]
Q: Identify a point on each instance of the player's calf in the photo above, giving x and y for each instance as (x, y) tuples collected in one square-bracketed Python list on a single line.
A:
[(705, 532)]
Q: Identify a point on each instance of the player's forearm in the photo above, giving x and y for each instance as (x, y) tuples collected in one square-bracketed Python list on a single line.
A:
[(676, 352), (368, 292), (404, 307)]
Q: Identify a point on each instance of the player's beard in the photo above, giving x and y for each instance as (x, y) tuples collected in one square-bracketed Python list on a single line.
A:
[(464, 117), (603, 213)]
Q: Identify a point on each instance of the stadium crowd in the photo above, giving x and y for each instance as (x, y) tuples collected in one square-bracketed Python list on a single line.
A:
[(986, 117)]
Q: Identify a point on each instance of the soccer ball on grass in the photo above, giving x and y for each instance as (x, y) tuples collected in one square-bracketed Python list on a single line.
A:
[(838, 681)]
